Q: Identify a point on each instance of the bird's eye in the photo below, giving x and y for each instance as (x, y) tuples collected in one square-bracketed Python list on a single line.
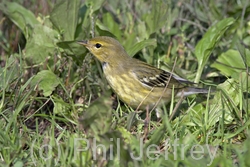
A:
[(97, 45)]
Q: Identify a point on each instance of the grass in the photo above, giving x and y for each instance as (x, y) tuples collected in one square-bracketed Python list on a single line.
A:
[(56, 108)]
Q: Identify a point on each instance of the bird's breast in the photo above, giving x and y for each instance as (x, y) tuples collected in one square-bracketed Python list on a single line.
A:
[(130, 90)]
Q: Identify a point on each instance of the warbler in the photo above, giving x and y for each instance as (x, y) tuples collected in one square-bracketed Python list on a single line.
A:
[(138, 84)]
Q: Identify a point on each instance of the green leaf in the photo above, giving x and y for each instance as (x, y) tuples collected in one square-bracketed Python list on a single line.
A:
[(41, 45), (103, 30), (94, 4), (40, 37), (140, 45), (47, 81), (157, 17), (113, 27), (65, 18), (230, 62), (142, 31), (206, 45), (224, 103), (60, 106), (20, 16), (18, 164)]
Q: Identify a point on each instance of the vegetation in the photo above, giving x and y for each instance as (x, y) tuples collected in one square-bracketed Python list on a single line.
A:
[(56, 108)]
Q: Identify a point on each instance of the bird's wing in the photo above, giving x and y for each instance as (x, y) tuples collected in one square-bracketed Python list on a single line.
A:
[(154, 77)]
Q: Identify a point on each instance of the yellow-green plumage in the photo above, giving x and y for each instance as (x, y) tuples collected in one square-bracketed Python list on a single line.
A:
[(135, 82)]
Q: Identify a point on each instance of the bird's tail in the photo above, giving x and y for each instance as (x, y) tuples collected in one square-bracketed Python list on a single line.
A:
[(192, 90)]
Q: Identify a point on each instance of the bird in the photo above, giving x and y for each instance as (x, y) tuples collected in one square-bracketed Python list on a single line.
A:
[(136, 83)]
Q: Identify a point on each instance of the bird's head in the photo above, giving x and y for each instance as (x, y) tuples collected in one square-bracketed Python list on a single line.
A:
[(105, 49)]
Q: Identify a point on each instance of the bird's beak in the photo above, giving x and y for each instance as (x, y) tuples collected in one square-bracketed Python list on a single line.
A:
[(83, 42)]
